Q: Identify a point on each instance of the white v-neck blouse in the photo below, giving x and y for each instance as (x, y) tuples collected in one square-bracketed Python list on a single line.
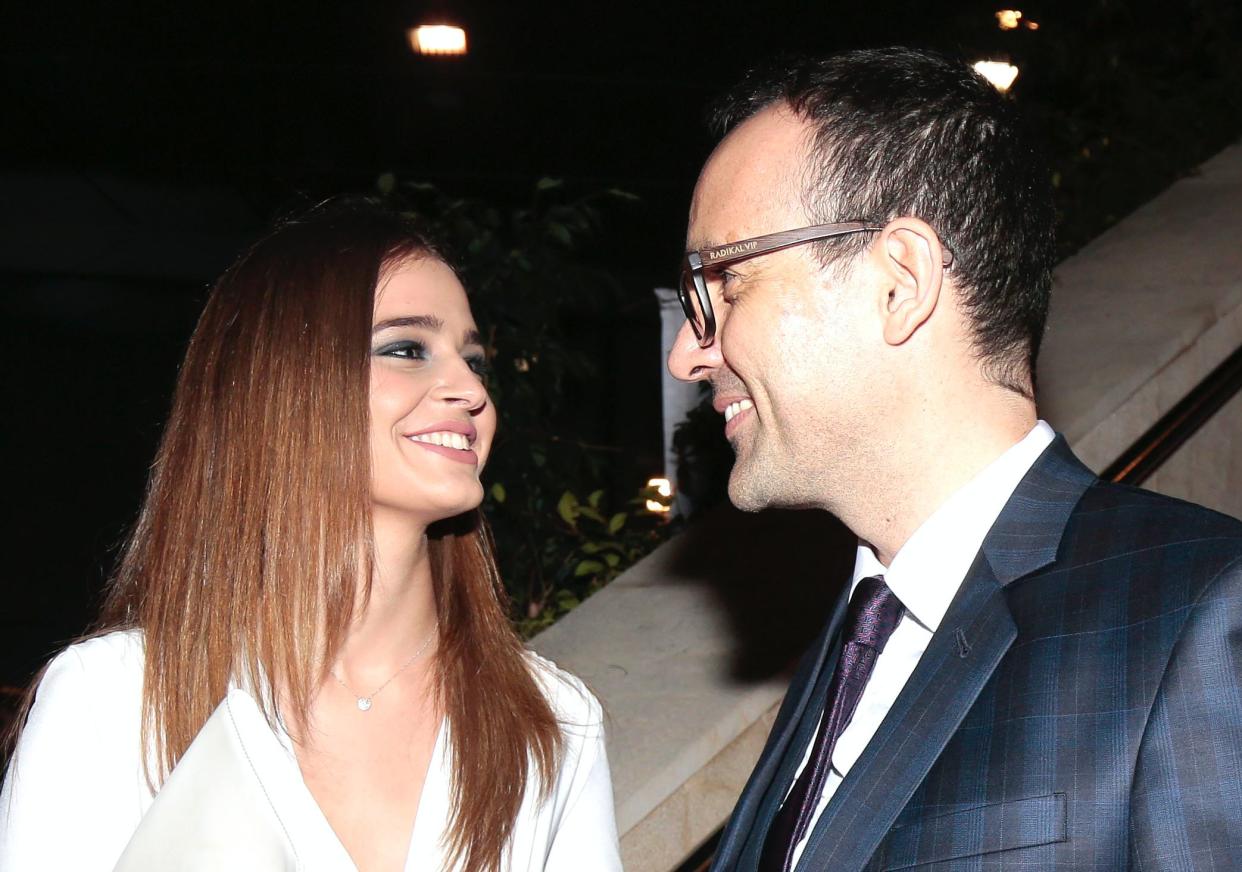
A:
[(76, 792)]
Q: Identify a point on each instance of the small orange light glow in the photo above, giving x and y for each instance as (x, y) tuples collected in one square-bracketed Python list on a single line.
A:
[(999, 73), (1032, 25), (665, 489), (1008, 18), (438, 39)]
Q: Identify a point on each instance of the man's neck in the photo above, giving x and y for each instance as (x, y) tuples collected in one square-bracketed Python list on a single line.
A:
[(929, 469)]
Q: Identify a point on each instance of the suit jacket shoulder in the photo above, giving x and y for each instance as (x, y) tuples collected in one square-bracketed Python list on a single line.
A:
[(1108, 735), (1118, 523)]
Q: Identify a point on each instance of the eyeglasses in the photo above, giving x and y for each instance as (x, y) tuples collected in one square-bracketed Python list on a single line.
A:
[(692, 287)]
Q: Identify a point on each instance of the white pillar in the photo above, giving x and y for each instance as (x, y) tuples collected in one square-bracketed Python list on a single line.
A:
[(678, 397)]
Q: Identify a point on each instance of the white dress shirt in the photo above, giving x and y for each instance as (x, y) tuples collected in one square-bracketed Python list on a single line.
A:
[(75, 792), (925, 575)]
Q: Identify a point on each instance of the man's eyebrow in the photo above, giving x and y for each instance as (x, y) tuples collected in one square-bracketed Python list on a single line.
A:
[(427, 322)]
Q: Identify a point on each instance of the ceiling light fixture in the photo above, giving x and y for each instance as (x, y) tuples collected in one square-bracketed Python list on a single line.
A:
[(1008, 19), (438, 39)]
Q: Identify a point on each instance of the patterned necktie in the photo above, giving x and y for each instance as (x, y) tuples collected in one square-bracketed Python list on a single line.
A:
[(874, 611)]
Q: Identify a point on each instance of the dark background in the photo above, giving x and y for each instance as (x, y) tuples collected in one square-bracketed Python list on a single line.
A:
[(143, 144)]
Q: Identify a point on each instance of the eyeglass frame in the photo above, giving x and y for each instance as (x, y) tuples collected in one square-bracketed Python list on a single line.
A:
[(717, 256)]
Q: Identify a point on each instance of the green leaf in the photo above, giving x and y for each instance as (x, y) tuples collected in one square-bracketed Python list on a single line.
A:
[(594, 498), (588, 567), (386, 183), (612, 560), (568, 508), (590, 547), (588, 512), (567, 599), (616, 522), (560, 233), (547, 184), (623, 195), (498, 492)]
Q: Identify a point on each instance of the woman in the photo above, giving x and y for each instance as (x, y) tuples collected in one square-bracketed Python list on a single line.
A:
[(310, 545)]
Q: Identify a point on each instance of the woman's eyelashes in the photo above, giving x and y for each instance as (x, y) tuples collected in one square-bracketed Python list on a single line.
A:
[(406, 349), (413, 350)]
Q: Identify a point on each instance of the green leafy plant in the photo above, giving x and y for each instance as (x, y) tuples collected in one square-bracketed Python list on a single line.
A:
[(591, 546)]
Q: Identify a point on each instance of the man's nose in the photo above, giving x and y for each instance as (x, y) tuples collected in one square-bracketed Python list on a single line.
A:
[(688, 360)]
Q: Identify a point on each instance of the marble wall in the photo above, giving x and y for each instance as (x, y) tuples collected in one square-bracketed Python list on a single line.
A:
[(1208, 468)]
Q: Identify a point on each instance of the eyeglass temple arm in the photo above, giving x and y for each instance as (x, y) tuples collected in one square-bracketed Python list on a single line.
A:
[(787, 238), (776, 241)]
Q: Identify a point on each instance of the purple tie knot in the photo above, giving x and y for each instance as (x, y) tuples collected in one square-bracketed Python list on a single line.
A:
[(873, 615)]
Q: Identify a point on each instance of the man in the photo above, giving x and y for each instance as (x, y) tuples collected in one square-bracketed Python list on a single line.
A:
[(1031, 669)]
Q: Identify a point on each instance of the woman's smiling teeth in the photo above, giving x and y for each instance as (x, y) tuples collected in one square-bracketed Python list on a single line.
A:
[(443, 438), (734, 408)]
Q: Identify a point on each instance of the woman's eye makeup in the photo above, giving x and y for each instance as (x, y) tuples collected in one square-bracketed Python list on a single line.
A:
[(412, 349), (406, 349)]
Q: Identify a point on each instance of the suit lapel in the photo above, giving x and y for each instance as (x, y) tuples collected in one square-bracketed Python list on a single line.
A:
[(756, 803), (954, 669), (974, 635), (787, 768)]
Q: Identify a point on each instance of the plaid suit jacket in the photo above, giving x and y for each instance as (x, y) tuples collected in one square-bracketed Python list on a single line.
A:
[(1080, 706)]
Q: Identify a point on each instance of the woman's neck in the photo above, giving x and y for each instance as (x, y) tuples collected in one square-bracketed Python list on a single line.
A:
[(400, 613)]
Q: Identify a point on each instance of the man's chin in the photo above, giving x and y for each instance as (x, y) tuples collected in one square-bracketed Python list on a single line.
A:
[(746, 490), (752, 490)]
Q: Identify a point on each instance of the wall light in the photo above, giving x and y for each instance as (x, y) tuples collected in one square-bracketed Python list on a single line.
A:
[(438, 39), (999, 73), (665, 489)]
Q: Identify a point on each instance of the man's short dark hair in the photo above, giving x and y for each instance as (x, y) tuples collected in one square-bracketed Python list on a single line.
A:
[(907, 132)]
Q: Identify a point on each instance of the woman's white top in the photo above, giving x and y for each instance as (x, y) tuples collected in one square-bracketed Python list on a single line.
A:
[(75, 793)]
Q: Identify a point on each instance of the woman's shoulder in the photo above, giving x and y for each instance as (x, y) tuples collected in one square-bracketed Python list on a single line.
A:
[(575, 707), (77, 766), (117, 656), (105, 668)]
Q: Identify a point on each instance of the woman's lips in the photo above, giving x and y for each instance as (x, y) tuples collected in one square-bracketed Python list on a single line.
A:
[(461, 456), (452, 439)]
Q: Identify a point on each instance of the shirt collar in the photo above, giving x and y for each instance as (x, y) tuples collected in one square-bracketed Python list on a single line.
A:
[(926, 573)]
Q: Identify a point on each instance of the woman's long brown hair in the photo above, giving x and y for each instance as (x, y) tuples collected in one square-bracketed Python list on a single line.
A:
[(255, 530)]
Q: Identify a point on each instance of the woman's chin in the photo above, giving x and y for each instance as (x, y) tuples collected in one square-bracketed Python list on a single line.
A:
[(426, 512)]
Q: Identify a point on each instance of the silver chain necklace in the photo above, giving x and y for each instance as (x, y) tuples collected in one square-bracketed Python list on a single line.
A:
[(364, 702)]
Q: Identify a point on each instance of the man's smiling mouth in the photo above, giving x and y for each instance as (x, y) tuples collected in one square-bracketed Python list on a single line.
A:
[(735, 408)]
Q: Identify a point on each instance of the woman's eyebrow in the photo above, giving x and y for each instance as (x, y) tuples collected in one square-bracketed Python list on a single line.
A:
[(427, 322), (472, 337)]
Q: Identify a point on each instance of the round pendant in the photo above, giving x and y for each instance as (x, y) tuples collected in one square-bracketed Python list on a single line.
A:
[(364, 703)]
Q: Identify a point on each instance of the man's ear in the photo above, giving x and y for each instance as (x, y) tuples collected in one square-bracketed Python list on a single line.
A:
[(912, 262)]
